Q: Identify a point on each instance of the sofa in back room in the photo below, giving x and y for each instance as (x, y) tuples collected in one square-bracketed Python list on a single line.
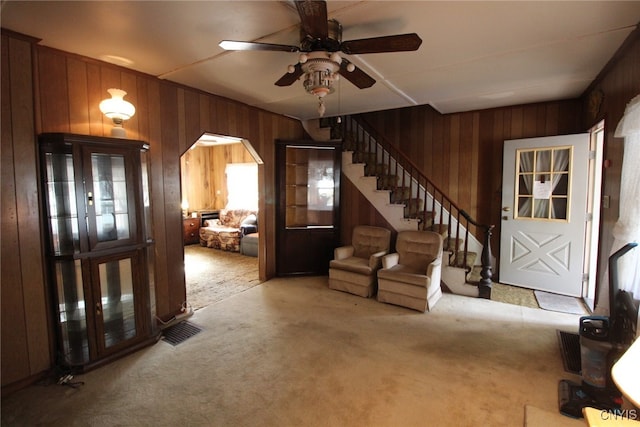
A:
[(226, 232)]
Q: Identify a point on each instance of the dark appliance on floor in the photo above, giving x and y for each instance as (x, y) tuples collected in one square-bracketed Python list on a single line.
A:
[(603, 339)]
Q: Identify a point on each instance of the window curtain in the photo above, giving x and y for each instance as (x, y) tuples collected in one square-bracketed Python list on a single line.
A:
[(627, 228), (242, 186), (560, 163)]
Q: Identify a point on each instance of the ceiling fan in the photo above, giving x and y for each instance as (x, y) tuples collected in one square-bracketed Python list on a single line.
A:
[(320, 42)]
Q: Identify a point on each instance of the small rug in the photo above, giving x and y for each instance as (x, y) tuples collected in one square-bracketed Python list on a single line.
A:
[(513, 295), (561, 303), (212, 275), (180, 332)]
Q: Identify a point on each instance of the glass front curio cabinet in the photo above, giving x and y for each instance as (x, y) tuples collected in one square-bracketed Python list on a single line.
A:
[(99, 247)]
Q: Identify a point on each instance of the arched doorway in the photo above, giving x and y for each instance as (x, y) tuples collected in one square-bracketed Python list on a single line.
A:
[(219, 187)]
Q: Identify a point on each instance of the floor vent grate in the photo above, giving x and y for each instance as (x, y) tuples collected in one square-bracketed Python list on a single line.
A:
[(180, 332), (570, 348)]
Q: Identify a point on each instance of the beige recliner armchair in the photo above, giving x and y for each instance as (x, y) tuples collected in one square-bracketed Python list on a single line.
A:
[(411, 276), (354, 267)]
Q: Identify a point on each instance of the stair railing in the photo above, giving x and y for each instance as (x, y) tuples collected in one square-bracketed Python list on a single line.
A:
[(423, 199)]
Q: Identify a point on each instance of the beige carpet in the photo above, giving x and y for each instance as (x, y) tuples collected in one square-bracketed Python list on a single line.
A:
[(212, 275), (292, 352)]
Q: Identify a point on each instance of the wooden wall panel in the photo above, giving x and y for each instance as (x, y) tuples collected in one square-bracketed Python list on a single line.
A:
[(62, 92), (26, 346)]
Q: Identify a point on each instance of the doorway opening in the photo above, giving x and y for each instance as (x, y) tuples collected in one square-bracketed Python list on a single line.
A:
[(594, 202), (220, 194)]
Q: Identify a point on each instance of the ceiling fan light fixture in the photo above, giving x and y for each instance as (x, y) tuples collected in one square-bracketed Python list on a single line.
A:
[(320, 72)]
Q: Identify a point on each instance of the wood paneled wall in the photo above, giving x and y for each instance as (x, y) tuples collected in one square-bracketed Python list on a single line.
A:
[(462, 152), (46, 90), (204, 182)]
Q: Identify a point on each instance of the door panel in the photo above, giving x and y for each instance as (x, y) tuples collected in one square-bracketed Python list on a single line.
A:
[(544, 213)]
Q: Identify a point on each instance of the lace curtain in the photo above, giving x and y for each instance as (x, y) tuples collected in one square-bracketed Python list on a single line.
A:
[(560, 163), (627, 229)]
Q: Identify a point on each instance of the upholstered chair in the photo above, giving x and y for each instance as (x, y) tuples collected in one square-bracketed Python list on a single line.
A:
[(410, 277), (354, 267)]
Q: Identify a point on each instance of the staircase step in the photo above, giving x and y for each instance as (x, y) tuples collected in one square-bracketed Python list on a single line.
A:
[(413, 208), (458, 260), (376, 169), (425, 224), (441, 229), (452, 244), (454, 279), (387, 182), (399, 195), (364, 157)]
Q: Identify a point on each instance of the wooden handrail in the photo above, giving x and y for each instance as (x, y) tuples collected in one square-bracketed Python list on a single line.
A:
[(415, 189)]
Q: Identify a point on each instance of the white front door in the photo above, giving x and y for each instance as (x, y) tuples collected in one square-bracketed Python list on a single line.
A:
[(544, 205)]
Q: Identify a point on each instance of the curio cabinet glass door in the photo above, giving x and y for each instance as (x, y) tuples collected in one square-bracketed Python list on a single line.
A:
[(99, 247)]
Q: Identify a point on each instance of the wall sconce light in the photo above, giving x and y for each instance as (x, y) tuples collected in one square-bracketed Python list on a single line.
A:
[(118, 110)]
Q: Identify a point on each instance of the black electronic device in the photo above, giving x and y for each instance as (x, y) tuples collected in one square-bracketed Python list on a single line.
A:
[(603, 339)]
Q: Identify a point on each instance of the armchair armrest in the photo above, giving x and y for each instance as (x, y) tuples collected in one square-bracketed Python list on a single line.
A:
[(375, 260), (390, 260), (433, 264), (343, 252)]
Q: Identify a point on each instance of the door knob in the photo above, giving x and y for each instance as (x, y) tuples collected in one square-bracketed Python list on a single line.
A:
[(505, 218), (506, 208)]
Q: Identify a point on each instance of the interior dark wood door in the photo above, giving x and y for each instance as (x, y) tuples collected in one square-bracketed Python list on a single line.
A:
[(307, 220)]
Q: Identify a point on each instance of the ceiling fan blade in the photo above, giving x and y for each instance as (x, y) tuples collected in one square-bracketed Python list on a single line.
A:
[(313, 18), (397, 43), (358, 77), (235, 45), (289, 78)]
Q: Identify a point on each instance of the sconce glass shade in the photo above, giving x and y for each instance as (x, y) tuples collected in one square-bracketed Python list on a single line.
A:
[(116, 108)]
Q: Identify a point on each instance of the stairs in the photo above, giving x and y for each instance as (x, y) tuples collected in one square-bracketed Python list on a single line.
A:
[(405, 203)]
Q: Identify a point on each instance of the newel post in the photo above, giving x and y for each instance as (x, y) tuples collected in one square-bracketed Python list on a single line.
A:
[(484, 286)]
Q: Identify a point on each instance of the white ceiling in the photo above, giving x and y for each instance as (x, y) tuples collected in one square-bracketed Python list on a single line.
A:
[(474, 55)]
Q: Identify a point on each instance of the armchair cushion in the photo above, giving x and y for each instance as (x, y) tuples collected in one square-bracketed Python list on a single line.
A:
[(354, 267)]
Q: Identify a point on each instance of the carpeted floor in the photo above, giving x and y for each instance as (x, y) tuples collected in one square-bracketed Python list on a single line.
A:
[(292, 352), (212, 275)]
